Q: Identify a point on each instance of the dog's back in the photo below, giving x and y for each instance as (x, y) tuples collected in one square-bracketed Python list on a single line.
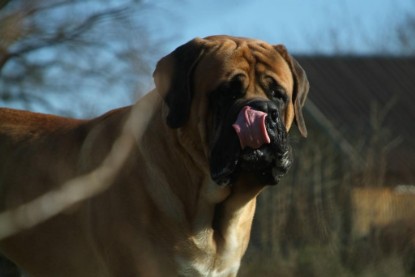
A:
[(18, 123), (29, 142)]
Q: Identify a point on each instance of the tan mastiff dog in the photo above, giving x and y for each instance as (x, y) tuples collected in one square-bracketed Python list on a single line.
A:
[(183, 202)]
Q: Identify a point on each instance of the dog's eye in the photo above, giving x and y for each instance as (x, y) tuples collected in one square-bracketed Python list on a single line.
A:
[(276, 92), (236, 87)]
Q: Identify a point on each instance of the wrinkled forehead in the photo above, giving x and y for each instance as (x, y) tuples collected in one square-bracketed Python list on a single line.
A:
[(227, 57)]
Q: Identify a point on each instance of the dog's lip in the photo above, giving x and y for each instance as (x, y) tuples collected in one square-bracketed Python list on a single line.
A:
[(234, 160), (260, 162), (257, 158)]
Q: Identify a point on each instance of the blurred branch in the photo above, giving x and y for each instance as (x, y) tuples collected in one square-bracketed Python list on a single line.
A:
[(83, 187), (344, 145), (405, 34), (4, 3), (381, 142), (63, 36), (70, 47)]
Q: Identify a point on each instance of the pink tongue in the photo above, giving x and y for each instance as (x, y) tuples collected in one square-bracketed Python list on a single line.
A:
[(250, 127)]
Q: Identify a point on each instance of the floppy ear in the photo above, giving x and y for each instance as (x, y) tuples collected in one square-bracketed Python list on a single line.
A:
[(301, 87), (173, 79)]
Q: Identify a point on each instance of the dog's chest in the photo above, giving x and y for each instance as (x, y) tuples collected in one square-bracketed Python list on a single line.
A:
[(206, 267), (205, 260)]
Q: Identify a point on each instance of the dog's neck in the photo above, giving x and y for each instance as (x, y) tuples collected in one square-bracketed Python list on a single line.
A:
[(208, 225), (220, 231), (215, 221)]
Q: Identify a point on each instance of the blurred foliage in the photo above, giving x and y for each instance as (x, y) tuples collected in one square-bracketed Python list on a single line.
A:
[(56, 53), (405, 35), (304, 225)]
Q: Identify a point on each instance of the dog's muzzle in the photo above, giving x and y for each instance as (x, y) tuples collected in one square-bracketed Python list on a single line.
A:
[(252, 139)]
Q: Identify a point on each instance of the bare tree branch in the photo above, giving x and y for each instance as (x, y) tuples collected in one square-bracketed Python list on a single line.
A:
[(105, 42), (61, 37)]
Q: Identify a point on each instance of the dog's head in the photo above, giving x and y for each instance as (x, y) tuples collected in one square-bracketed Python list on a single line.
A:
[(239, 97)]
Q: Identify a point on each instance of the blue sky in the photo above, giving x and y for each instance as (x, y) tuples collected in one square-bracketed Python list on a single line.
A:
[(305, 26), (361, 27)]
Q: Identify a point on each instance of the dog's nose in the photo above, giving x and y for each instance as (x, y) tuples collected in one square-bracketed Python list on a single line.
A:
[(268, 107)]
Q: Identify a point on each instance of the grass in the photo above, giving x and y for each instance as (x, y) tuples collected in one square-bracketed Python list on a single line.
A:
[(322, 261)]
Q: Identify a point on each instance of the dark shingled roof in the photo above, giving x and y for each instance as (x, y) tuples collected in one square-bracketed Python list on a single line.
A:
[(344, 89)]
